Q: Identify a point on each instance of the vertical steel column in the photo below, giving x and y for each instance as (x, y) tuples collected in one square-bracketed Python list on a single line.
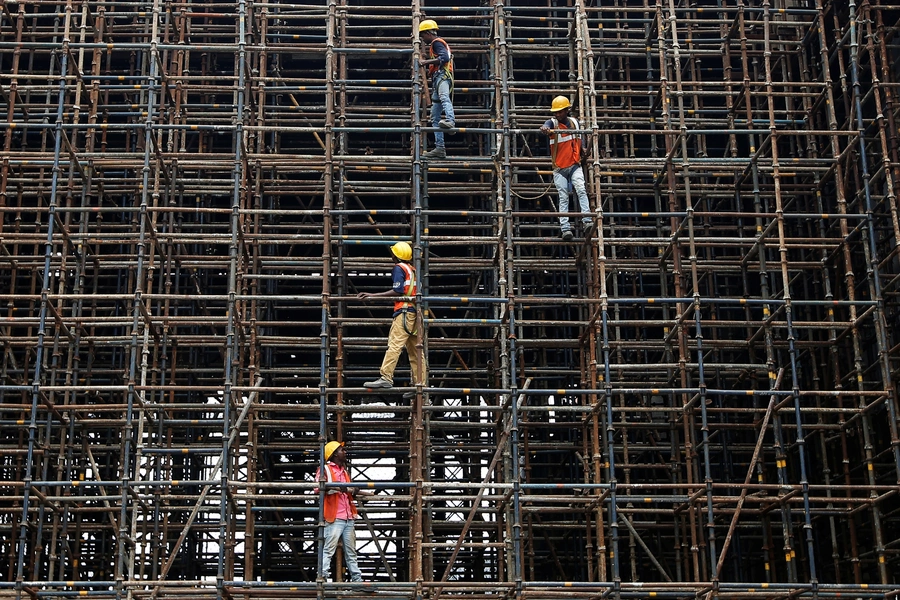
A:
[(596, 282), (44, 305), (772, 144), (667, 65), (124, 543), (874, 283), (235, 258), (506, 257), (421, 556), (328, 201), (890, 167), (683, 153)]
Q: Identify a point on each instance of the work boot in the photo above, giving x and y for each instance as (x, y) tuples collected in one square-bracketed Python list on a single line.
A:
[(438, 152), (362, 588), (588, 229), (450, 126), (567, 235), (409, 395), (380, 383)]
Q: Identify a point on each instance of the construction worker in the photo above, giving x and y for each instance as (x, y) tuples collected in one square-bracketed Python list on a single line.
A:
[(403, 329), (566, 150), (339, 512), (440, 69)]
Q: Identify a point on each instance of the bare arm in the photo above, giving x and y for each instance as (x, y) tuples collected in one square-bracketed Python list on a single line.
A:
[(385, 294)]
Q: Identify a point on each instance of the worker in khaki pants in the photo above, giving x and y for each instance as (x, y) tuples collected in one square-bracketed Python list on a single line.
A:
[(404, 332)]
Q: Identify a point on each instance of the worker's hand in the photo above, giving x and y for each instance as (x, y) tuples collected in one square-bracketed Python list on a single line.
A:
[(545, 130), (364, 295)]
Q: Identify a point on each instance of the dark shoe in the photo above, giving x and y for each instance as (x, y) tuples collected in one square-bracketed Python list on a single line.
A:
[(380, 383), (409, 395), (438, 152), (588, 230), (567, 235), (362, 588), (445, 124)]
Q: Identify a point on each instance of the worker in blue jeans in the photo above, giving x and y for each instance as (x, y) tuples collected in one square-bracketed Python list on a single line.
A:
[(440, 69), (339, 512), (566, 151)]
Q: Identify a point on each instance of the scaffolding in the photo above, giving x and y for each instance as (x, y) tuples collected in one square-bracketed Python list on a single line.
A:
[(693, 399)]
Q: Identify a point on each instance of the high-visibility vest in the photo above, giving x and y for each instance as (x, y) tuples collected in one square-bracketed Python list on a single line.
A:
[(565, 148), (448, 67), (332, 496), (409, 286)]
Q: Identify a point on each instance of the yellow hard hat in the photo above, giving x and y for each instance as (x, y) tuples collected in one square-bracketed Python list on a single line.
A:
[(330, 447), (559, 103), (427, 25), (402, 250)]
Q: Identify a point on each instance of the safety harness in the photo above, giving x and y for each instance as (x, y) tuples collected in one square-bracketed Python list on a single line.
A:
[(446, 68), (409, 289)]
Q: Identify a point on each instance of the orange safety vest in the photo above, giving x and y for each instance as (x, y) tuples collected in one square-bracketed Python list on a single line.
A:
[(332, 495), (448, 67), (565, 148), (409, 286)]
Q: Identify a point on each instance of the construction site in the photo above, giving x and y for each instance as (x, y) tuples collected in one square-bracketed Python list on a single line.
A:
[(694, 398)]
